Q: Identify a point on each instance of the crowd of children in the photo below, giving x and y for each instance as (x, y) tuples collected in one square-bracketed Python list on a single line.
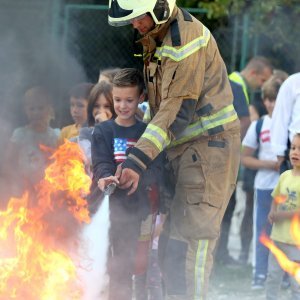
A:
[(106, 125)]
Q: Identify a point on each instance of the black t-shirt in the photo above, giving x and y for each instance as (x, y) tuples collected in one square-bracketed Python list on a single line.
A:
[(110, 142)]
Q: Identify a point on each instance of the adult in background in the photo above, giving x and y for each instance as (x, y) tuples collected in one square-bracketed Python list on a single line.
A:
[(250, 79), (193, 118), (286, 119), (257, 71)]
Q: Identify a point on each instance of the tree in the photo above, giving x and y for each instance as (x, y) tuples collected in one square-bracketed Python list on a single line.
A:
[(272, 22)]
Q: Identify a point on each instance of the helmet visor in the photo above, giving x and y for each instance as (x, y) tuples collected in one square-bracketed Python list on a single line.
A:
[(122, 22)]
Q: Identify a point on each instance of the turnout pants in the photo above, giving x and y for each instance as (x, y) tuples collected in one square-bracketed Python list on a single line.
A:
[(205, 177)]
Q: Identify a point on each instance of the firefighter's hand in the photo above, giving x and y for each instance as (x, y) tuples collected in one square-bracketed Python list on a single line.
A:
[(128, 179)]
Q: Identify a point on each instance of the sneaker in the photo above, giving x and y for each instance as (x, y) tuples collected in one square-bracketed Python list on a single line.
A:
[(258, 283)]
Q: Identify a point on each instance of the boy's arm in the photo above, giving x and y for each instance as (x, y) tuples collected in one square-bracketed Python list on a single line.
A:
[(272, 212), (102, 156), (285, 215), (251, 162)]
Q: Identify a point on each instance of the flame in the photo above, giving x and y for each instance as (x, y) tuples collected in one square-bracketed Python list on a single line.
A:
[(287, 265), (295, 229), (37, 231), (280, 199)]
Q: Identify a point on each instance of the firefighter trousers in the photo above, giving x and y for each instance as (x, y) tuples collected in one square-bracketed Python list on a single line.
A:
[(205, 177)]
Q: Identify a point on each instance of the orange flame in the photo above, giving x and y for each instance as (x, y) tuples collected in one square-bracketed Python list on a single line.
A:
[(280, 199), (295, 229), (37, 231), (287, 265)]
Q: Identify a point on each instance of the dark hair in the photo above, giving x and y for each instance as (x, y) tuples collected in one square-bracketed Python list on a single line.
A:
[(259, 63), (99, 89), (129, 77), (81, 90)]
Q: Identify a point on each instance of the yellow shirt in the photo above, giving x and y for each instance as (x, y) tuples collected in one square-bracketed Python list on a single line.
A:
[(68, 132), (289, 186)]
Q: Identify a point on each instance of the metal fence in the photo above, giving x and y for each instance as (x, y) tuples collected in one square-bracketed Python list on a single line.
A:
[(94, 43)]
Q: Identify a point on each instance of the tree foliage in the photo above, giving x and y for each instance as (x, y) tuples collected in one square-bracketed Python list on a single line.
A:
[(275, 22), (220, 8)]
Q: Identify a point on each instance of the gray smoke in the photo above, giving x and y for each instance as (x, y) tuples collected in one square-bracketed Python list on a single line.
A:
[(92, 262), (32, 52)]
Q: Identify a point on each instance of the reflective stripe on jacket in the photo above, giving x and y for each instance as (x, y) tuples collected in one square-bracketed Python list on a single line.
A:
[(237, 78), (187, 83)]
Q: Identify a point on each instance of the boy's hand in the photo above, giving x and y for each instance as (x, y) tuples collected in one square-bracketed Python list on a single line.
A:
[(104, 182), (103, 116), (275, 165), (271, 217)]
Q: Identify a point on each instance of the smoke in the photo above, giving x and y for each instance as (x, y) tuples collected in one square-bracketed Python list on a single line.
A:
[(32, 54), (92, 270)]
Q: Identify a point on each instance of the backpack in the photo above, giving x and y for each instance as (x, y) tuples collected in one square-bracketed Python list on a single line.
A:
[(249, 174), (258, 128)]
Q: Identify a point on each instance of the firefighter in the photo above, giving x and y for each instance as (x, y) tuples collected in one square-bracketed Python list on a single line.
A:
[(193, 119)]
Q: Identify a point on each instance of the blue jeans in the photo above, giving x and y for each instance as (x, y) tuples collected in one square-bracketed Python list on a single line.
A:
[(261, 224)]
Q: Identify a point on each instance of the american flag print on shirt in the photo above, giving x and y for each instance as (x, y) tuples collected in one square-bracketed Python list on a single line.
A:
[(120, 147)]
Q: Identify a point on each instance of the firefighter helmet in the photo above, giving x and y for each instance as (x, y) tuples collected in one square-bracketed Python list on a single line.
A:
[(122, 12)]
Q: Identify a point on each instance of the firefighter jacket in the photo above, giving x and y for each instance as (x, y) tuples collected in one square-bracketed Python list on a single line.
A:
[(188, 89)]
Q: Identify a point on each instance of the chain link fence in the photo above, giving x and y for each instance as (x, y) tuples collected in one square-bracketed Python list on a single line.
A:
[(97, 45)]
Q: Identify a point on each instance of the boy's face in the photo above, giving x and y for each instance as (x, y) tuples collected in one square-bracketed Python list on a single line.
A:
[(37, 112), (295, 152), (269, 105), (126, 100), (78, 109)]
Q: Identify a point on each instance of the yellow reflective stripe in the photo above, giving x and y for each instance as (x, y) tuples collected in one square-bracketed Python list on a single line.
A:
[(237, 78), (186, 50), (224, 116), (157, 136), (200, 268)]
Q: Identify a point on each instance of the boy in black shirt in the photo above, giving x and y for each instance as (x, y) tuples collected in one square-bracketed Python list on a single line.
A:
[(111, 142)]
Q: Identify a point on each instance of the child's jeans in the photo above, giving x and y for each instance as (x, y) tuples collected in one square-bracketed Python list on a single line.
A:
[(263, 201)]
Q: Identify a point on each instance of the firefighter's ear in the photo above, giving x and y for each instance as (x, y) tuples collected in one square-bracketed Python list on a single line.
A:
[(142, 98)]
